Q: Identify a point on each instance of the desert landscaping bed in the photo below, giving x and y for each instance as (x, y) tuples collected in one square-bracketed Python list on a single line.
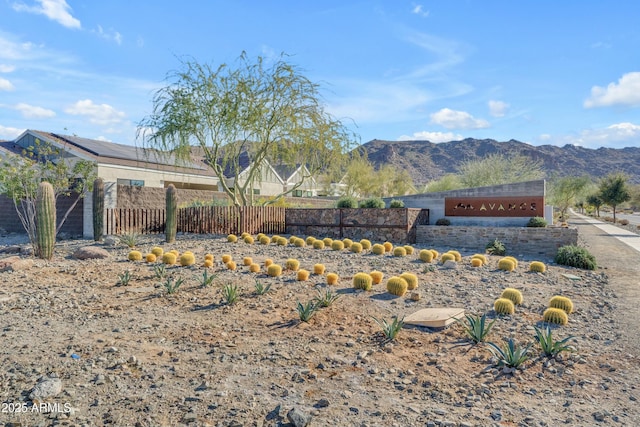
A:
[(134, 355)]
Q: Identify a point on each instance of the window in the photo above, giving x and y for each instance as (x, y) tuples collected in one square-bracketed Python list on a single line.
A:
[(131, 182), (297, 193)]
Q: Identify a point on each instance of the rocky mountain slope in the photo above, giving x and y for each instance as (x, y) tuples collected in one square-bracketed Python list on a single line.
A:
[(426, 161)]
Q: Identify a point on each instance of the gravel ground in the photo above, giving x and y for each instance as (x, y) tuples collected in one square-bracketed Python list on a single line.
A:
[(135, 356)]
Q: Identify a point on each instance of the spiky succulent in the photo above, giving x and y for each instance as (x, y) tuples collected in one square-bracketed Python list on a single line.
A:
[(362, 281), (411, 279), (274, 270), (332, 279), (504, 306), (512, 294), (425, 255), (397, 286), (561, 302), (555, 315), (537, 266)]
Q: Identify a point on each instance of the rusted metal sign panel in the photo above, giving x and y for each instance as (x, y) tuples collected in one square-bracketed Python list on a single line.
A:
[(526, 206)]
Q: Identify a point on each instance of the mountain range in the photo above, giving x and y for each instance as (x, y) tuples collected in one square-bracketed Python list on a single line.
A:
[(426, 161)]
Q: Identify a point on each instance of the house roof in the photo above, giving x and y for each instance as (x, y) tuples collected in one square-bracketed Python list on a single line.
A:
[(111, 153)]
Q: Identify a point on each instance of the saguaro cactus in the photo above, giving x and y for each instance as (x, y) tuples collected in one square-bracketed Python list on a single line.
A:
[(98, 209), (45, 221), (171, 226)]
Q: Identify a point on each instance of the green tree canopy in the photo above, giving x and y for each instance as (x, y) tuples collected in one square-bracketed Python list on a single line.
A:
[(614, 191), (496, 169), (265, 108), (565, 191)]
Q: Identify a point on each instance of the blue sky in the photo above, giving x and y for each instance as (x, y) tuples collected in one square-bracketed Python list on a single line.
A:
[(543, 72)]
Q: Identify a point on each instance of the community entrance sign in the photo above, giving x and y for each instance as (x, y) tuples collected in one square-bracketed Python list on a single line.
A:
[(515, 206)]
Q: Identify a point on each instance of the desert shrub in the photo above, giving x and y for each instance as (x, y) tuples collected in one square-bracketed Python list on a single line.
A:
[(443, 221), (318, 269), (623, 222), (411, 279), (399, 252), (302, 275), (362, 281), (425, 255), (274, 270), (504, 306), (373, 202), (575, 256), (397, 286), (376, 277), (537, 221), (512, 294), (506, 265), (563, 303), (537, 266), (332, 279), (356, 247), (232, 238), (135, 256), (347, 202), (395, 203), (496, 247), (378, 249), (556, 316), (318, 244), (337, 245)]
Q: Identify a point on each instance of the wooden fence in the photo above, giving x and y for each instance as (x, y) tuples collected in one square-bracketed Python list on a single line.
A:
[(199, 220)]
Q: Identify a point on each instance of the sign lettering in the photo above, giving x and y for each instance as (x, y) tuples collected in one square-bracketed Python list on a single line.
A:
[(513, 206)]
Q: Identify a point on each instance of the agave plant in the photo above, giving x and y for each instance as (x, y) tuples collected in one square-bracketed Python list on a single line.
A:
[(172, 286), (306, 311), (160, 271), (326, 298), (261, 289), (511, 355), (551, 347), (207, 279), (230, 293), (476, 327), (124, 278), (390, 329)]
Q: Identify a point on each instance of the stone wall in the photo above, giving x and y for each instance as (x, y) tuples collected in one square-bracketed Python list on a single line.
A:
[(530, 241), (394, 225)]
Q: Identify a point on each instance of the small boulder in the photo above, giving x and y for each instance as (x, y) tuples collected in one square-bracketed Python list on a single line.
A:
[(111, 241), (91, 252), (45, 388), (298, 418)]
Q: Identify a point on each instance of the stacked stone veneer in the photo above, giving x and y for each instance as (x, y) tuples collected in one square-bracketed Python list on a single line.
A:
[(394, 225), (517, 240)]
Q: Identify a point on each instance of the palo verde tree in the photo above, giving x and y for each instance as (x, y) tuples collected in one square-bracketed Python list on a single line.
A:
[(20, 177), (565, 191), (497, 168), (595, 201), (256, 109), (614, 191)]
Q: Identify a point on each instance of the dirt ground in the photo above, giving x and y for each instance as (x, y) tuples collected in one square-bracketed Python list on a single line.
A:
[(136, 356)]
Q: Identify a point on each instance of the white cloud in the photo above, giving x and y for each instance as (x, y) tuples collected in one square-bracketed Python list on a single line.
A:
[(9, 132), (617, 135), (5, 85), (625, 92), (452, 119), (103, 138), (56, 10), (33, 112), (4, 68), (110, 35), (432, 137), (100, 114), (418, 10), (498, 108)]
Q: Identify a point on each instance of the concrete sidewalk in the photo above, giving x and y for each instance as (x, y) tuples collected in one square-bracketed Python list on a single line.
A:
[(627, 237)]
